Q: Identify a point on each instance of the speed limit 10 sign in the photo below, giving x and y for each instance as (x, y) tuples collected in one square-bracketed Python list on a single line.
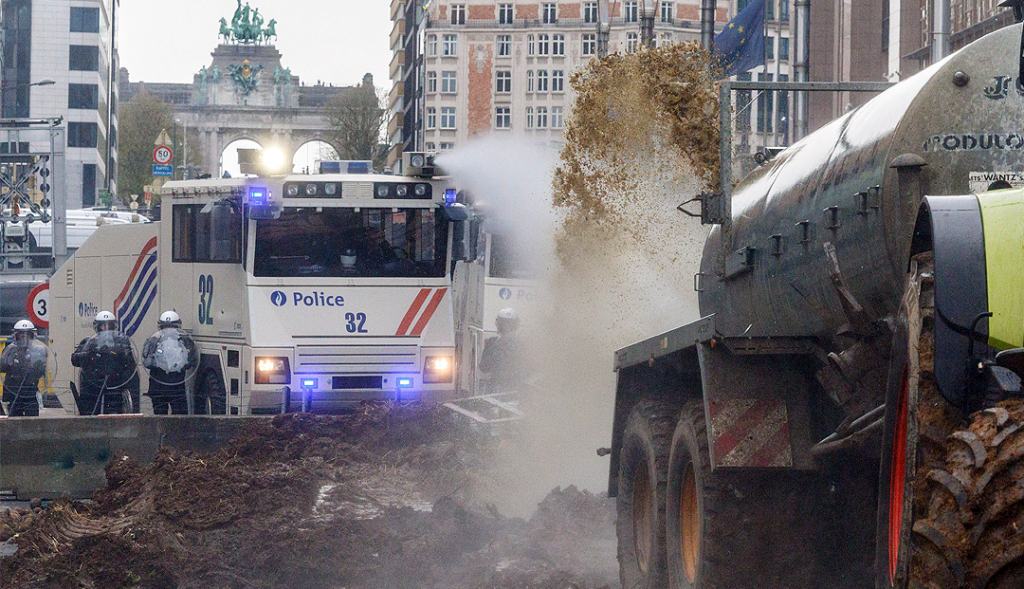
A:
[(163, 155), (38, 305)]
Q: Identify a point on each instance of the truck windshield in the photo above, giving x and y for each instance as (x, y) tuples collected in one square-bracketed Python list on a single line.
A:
[(352, 243)]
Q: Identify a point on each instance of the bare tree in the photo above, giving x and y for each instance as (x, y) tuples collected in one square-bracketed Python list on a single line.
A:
[(356, 121)]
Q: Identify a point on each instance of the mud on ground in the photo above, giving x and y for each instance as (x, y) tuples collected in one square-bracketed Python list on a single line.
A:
[(388, 497)]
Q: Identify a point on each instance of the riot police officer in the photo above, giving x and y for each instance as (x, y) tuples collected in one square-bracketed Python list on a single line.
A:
[(502, 356), (109, 383), (23, 364), (169, 354)]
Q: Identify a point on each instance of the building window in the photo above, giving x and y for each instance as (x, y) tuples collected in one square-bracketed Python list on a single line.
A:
[(784, 11), (431, 82), (447, 117), (765, 106), (783, 111), (885, 28), (542, 80), (84, 58), (558, 45), (543, 44), (83, 134), (589, 44), (542, 117), (503, 82), (504, 45), (505, 14), (83, 96), (432, 45), (666, 11), (88, 185), (631, 42), (449, 83), (631, 13), (784, 48), (503, 117), (557, 81), (447, 146), (531, 45), (769, 47), (529, 117), (743, 102), (449, 45), (557, 121), (458, 14), (85, 20), (429, 146), (529, 81), (590, 12), (769, 9), (666, 40), (431, 117), (550, 13)]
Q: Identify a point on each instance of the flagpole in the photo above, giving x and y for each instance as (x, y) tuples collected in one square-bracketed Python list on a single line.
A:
[(707, 24)]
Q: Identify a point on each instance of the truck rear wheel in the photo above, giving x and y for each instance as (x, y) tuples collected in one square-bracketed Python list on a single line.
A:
[(689, 496), (640, 522)]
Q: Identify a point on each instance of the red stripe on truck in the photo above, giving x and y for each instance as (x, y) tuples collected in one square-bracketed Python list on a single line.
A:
[(417, 303), (429, 311)]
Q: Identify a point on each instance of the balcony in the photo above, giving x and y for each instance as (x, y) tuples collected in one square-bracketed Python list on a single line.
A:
[(397, 93), (397, 5), (397, 33), (396, 62), (396, 123), (395, 154)]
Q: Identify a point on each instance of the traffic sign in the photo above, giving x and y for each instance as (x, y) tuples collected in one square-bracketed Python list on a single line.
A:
[(163, 155), (165, 171), (163, 138), (38, 305)]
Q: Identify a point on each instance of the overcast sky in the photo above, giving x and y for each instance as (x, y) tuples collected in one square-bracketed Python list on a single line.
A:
[(336, 41)]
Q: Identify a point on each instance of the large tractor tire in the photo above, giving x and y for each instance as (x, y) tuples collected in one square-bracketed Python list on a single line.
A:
[(951, 497), (640, 522)]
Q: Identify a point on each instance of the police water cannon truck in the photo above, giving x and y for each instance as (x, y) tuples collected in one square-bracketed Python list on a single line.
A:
[(302, 292), (846, 413)]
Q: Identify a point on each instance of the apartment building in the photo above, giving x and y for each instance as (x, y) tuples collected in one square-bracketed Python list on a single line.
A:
[(72, 43), (480, 67)]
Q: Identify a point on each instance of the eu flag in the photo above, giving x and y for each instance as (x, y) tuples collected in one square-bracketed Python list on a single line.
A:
[(740, 46)]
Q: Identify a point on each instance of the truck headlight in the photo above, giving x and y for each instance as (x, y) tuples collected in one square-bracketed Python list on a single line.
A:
[(272, 370), (438, 369)]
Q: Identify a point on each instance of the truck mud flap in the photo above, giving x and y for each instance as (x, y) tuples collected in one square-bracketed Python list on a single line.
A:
[(750, 433)]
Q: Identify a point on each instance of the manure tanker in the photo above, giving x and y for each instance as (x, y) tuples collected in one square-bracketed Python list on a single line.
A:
[(847, 410)]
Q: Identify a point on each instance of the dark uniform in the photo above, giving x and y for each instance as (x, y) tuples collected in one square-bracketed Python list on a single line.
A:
[(23, 364), (108, 374), (169, 355)]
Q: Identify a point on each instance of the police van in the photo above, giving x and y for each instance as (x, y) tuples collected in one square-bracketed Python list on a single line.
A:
[(312, 291)]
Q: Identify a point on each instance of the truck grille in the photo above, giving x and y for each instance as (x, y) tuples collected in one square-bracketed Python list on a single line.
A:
[(356, 358)]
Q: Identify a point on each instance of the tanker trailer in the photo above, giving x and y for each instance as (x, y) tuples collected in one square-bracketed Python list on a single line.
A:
[(845, 413)]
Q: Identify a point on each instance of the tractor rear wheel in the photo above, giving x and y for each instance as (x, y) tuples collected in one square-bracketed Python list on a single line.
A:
[(640, 522), (951, 500)]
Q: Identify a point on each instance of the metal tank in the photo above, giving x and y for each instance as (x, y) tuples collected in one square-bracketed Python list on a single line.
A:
[(856, 185)]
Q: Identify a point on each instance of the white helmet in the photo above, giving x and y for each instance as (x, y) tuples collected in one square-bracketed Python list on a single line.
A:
[(508, 320), (104, 319), (348, 259), (24, 329), (169, 319)]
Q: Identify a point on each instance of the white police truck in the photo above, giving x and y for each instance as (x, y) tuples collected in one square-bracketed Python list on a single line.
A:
[(312, 291)]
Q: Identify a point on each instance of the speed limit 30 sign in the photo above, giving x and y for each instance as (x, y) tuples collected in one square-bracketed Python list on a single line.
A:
[(38, 305), (163, 155)]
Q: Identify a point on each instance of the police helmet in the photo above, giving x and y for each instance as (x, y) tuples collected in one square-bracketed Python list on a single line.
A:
[(508, 320), (104, 321), (169, 319), (348, 258), (24, 329)]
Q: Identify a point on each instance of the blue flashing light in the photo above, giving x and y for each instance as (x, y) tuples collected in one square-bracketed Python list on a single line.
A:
[(309, 383), (257, 196), (405, 382), (450, 195)]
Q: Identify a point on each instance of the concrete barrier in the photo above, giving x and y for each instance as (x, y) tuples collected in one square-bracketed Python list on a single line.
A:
[(51, 458)]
